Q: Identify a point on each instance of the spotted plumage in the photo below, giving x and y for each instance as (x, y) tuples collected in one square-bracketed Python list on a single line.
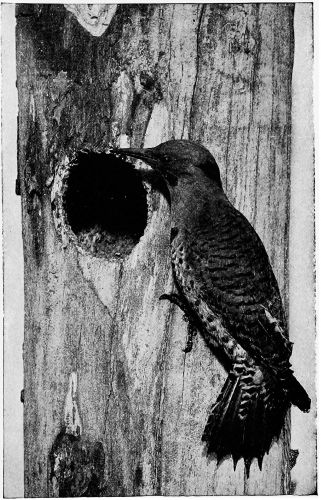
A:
[(227, 288)]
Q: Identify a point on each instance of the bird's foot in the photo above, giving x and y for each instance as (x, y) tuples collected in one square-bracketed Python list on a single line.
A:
[(176, 299), (191, 333)]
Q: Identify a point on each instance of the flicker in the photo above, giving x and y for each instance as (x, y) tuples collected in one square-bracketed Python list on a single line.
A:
[(226, 286)]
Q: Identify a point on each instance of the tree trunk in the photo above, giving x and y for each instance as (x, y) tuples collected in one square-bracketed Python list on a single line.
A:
[(107, 386)]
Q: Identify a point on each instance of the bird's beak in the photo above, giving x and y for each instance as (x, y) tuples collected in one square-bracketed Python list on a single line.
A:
[(147, 155)]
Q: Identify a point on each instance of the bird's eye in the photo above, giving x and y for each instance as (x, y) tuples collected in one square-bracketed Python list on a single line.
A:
[(166, 158)]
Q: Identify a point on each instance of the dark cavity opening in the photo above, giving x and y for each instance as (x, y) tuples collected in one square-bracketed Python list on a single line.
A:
[(105, 204)]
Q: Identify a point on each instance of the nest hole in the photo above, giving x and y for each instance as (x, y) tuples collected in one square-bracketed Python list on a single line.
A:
[(105, 204)]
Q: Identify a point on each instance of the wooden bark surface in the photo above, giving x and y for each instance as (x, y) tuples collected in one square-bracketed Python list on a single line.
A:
[(218, 74)]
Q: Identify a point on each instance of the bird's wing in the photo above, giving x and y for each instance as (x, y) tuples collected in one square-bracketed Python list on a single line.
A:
[(231, 271)]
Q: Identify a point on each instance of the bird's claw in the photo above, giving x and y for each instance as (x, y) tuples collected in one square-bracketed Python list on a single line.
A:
[(165, 296), (175, 299)]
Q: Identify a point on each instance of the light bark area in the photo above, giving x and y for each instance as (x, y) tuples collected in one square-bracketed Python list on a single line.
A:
[(218, 74)]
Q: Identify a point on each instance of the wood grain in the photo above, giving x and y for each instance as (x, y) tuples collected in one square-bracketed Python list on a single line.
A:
[(219, 74)]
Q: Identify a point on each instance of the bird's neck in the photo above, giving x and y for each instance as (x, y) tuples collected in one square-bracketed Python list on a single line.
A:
[(191, 199)]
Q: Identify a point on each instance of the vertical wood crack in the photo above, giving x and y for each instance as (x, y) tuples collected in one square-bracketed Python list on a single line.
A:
[(197, 56)]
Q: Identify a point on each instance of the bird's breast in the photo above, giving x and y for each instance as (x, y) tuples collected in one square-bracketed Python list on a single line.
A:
[(183, 271)]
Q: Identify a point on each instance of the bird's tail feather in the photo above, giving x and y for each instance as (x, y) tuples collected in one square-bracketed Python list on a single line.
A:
[(245, 419), (297, 394)]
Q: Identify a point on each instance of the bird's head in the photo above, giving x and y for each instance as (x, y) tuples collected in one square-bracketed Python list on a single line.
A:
[(176, 160)]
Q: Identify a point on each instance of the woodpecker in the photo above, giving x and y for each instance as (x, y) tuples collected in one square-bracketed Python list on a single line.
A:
[(227, 288)]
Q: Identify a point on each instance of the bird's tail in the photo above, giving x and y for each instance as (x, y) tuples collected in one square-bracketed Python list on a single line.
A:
[(297, 394), (249, 414)]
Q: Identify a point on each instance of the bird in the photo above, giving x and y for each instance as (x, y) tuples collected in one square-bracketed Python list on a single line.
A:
[(226, 287)]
